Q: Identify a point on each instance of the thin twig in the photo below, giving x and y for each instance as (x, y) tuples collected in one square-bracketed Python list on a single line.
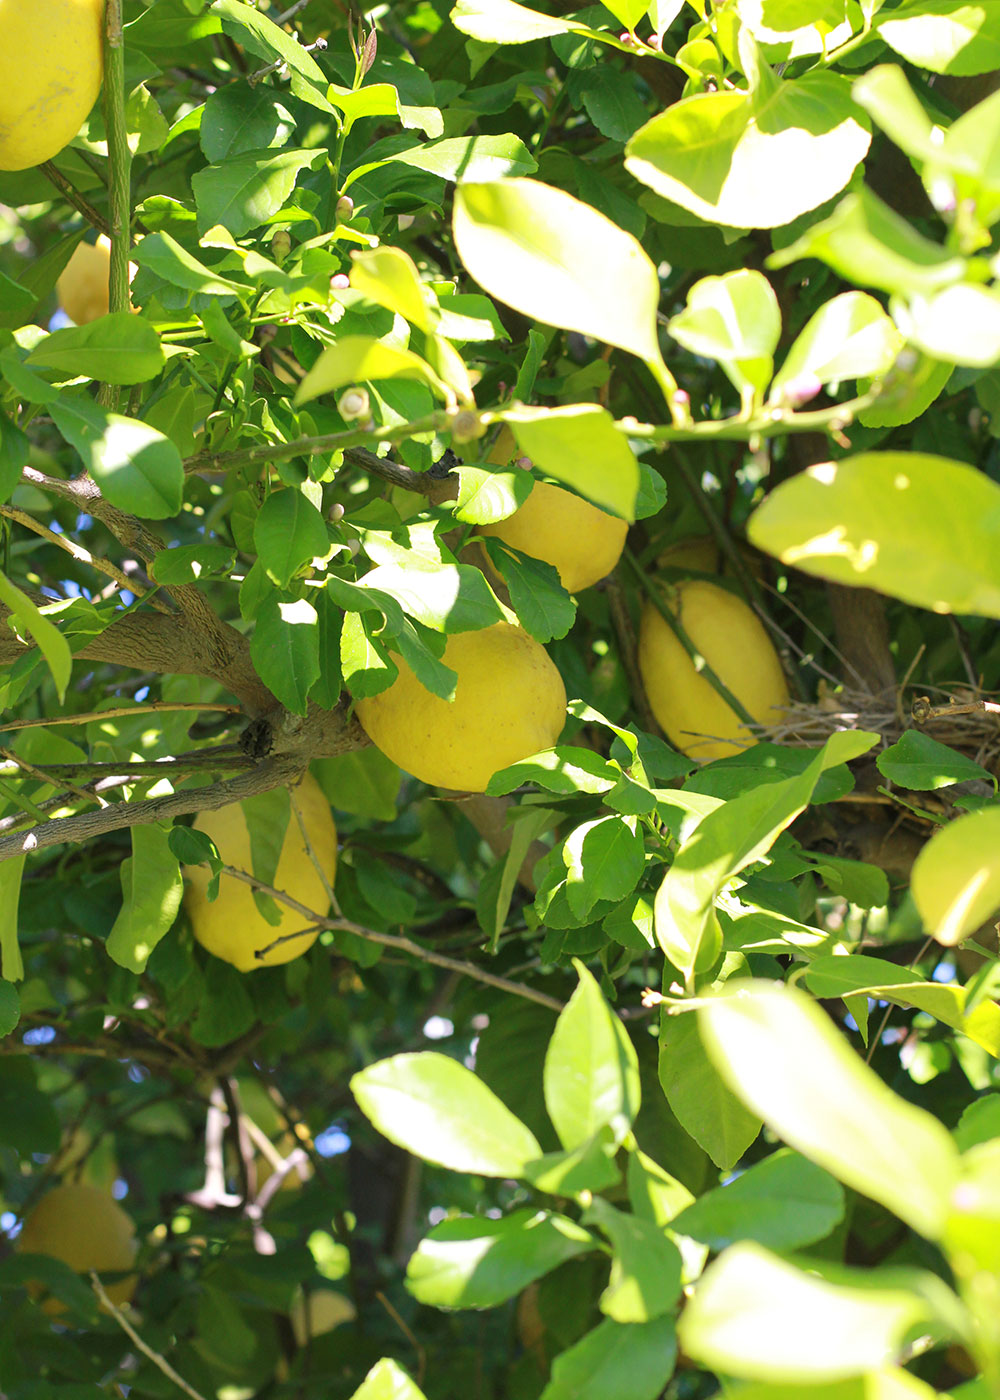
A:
[(119, 170), (625, 632), (923, 710), (123, 712), (83, 556), (387, 940), (30, 771), (73, 196), (891, 1006), (160, 1362)]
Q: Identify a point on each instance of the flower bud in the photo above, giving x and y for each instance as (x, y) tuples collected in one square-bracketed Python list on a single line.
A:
[(345, 207), (281, 245), (335, 514), (466, 425), (340, 281), (801, 389), (354, 404)]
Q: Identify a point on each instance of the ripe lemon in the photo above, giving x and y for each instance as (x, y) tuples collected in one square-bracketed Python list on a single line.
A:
[(580, 540), (232, 927), (734, 644), (86, 1229), (509, 703), (83, 287), (51, 66)]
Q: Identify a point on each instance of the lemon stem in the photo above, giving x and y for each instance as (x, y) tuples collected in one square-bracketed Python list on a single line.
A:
[(119, 156), (673, 621)]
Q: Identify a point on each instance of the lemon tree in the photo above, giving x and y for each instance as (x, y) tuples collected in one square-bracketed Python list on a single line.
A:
[(499, 875)]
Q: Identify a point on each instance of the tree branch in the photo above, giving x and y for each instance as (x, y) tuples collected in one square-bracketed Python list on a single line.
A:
[(271, 773), (387, 940)]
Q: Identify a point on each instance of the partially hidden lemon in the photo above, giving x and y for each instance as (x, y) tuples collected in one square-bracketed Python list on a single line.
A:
[(580, 540), (83, 285), (87, 1229), (732, 640), (231, 926), (51, 67), (509, 702)]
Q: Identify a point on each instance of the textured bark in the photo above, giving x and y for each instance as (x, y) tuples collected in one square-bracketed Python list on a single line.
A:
[(862, 634)]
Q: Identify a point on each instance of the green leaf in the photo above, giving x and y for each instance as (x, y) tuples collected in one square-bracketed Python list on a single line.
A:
[(910, 388), (563, 769), (591, 1070), (543, 606), (33, 623), (285, 649), (364, 783), (471, 158), (438, 1110), (388, 1381), (960, 324), (504, 22), (865, 519), (865, 241), (267, 39), (582, 447), (823, 1101), (152, 886), (472, 1262), (956, 877), (165, 257), (267, 815), (487, 493), (645, 1277), (604, 859), (356, 358), (118, 349), (10, 1007), (11, 962), (137, 468), (288, 533), (725, 156), (887, 1383), (444, 597), (239, 118), (736, 320), (14, 449), (724, 843), (945, 36), (611, 102), (589, 1167), (783, 1202), (701, 1100), (558, 260), (244, 191), (389, 277), (919, 762), (886, 95), (849, 337), (616, 1361), (189, 563), (738, 1319), (828, 977), (28, 1121)]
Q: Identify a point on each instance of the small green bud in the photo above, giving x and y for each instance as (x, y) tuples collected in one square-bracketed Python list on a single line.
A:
[(354, 404), (281, 245)]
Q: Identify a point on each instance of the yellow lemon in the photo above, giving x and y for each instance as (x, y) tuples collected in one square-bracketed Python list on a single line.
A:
[(509, 703), (321, 1311), (51, 66), (733, 642), (701, 554), (83, 287), (580, 540), (232, 927), (86, 1229)]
